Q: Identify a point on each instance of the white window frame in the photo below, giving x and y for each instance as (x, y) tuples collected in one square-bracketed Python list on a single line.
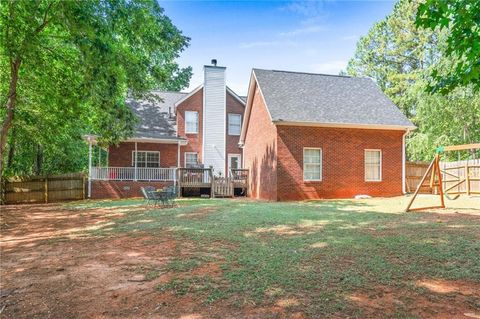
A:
[(240, 129), (140, 151), (365, 164), (186, 123), (321, 164), (239, 156), (185, 158)]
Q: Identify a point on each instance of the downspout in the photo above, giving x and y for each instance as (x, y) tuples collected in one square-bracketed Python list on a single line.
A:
[(404, 161)]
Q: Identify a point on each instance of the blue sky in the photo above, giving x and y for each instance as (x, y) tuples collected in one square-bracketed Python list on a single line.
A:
[(309, 36)]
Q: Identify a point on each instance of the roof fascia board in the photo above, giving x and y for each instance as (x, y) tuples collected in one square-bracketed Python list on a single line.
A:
[(253, 84), (347, 125), (248, 107), (183, 99), (156, 140), (235, 95)]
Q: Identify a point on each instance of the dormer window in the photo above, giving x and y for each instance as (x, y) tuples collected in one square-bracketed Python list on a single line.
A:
[(191, 122)]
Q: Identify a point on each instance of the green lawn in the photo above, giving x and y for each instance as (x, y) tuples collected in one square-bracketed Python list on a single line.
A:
[(318, 257)]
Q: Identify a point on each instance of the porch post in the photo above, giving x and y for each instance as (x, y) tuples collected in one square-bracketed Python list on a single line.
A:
[(89, 167), (135, 157)]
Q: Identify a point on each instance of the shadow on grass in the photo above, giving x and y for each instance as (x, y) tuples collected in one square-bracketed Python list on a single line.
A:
[(322, 250)]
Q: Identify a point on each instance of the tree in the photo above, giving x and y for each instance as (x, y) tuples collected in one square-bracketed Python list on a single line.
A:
[(462, 19), (399, 56), (66, 67), (394, 53)]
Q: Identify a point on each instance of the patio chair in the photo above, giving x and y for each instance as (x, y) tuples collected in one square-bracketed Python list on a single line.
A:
[(171, 195), (150, 195)]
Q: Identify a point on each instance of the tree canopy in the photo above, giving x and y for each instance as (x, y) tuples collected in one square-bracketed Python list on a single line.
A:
[(462, 20), (400, 57), (66, 68)]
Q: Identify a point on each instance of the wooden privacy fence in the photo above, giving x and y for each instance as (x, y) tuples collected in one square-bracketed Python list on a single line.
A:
[(44, 189), (455, 179), (461, 177), (414, 172)]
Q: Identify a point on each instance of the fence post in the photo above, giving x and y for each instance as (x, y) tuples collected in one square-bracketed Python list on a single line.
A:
[(83, 187), (467, 178), (46, 190), (212, 183)]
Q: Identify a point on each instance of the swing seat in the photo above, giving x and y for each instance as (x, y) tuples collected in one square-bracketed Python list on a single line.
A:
[(450, 197)]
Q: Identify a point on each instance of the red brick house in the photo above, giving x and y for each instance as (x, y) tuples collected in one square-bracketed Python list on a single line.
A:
[(196, 129), (312, 136)]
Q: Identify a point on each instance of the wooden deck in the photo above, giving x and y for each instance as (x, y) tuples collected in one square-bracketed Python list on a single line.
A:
[(219, 186)]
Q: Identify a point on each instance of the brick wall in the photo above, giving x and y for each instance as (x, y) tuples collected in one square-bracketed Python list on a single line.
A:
[(233, 106), (121, 155), (260, 151), (193, 103), (343, 162), (121, 189)]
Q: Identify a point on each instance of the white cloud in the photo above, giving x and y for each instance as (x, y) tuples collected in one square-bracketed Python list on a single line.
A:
[(330, 67), (302, 30), (256, 44)]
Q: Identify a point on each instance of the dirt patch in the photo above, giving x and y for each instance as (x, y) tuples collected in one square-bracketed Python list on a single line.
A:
[(448, 286), (443, 299), (198, 214), (53, 267)]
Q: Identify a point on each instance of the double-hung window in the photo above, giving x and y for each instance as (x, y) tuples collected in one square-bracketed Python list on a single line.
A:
[(146, 159), (373, 165), (191, 122), (234, 124), (312, 164), (191, 159)]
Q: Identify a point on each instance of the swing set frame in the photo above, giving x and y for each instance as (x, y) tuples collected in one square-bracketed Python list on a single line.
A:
[(436, 172)]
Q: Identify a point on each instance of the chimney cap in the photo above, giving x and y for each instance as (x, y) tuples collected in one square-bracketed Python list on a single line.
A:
[(214, 62)]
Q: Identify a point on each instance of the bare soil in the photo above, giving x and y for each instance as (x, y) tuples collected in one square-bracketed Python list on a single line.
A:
[(51, 269)]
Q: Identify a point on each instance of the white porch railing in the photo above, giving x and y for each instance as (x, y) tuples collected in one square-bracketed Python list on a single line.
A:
[(132, 174)]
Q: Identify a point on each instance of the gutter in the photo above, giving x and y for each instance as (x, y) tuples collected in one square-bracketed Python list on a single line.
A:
[(404, 161)]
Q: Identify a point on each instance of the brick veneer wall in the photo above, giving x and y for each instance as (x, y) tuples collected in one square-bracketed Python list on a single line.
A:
[(121, 155), (233, 106), (193, 103), (343, 162), (260, 151), (121, 189)]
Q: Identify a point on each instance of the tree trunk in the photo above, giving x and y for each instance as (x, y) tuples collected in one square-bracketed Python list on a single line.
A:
[(39, 160), (11, 149), (11, 103)]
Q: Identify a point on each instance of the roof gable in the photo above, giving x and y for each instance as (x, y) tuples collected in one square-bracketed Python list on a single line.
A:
[(327, 99)]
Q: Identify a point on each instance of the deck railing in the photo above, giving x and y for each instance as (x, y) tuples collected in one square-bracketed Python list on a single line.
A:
[(132, 173), (195, 177)]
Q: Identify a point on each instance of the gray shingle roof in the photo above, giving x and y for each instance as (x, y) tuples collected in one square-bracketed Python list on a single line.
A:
[(156, 120), (307, 97)]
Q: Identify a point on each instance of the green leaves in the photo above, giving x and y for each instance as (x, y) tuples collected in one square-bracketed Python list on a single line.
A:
[(80, 60), (462, 20), (417, 69)]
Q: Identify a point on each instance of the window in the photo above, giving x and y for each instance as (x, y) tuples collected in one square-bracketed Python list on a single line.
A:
[(191, 122), (312, 164), (191, 160), (146, 159), (234, 161), (234, 124), (373, 165)]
